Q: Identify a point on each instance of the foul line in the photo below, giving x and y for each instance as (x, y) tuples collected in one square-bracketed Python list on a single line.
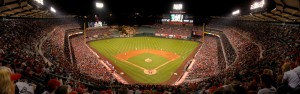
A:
[(131, 63), (166, 63)]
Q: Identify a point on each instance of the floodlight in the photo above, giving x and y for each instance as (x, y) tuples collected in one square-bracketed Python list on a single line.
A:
[(256, 5), (177, 6), (99, 5), (52, 9), (40, 1), (236, 12)]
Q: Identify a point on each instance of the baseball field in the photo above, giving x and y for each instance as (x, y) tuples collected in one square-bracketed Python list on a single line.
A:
[(145, 60)]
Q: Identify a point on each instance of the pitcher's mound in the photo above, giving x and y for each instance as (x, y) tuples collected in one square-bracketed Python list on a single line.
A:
[(148, 60), (150, 72)]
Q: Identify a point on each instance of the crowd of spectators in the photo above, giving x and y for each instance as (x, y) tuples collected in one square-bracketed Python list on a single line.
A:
[(206, 60), (87, 62), (53, 50), (20, 40), (282, 40), (248, 68), (54, 45), (271, 36), (248, 73), (98, 32), (86, 67), (220, 53), (178, 30), (246, 51), (19, 43), (229, 50)]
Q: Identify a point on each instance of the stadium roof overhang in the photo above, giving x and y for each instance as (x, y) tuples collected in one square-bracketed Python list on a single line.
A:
[(24, 9), (285, 11)]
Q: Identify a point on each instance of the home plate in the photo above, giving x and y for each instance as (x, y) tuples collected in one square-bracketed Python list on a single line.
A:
[(150, 72)]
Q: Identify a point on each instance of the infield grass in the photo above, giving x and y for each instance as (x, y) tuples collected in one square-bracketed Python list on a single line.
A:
[(140, 60), (111, 47)]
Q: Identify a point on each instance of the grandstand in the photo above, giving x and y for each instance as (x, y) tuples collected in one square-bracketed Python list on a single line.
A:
[(46, 51)]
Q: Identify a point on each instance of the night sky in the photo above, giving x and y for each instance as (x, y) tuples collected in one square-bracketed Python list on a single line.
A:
[(124, 8)]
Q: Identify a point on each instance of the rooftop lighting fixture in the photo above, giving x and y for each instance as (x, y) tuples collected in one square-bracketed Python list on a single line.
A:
[(236, 12), (52, 9), (99, 5), (177, 6)]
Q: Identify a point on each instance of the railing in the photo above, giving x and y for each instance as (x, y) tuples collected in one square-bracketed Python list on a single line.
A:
[(219, 33), (68, 49)]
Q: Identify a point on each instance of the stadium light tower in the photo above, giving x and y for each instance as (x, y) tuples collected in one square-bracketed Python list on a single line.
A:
[(40, 1), (257, 5), (237, 12), (99, 5), (177, 6), (52, 9)]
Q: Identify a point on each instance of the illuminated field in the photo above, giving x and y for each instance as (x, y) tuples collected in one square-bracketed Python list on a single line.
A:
[(145, 60)]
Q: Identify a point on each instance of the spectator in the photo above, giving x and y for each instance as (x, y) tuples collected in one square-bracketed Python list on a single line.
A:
[(286, 66), (51, 87), (137, 90), (123, 90), (225, 90), (297, 69), (266, 82), (238, 88), (25, 88), (268, 72), (291, 80), (64, 89), (7, 78)]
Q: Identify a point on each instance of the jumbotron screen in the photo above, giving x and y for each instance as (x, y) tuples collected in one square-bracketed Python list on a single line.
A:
[(176, 17)]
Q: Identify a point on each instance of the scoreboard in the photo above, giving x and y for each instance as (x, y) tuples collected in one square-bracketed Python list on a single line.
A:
[(177, 16)]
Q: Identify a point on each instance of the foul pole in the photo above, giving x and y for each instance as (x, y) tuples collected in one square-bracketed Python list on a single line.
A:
[(203, 32), (84, 29), (84, 34)]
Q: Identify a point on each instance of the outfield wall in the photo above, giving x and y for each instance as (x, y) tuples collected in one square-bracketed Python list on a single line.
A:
[(143, 35)]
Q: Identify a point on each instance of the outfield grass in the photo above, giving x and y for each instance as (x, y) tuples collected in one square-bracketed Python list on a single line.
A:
[(111, 47)]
